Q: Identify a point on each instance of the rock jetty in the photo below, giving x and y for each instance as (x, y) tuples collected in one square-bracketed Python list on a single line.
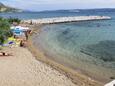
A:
[(64, 19)]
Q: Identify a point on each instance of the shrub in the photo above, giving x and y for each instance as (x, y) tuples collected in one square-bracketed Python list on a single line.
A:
[(11, 20)]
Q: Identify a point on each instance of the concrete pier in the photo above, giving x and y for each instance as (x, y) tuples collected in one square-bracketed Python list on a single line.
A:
[(64, 19)]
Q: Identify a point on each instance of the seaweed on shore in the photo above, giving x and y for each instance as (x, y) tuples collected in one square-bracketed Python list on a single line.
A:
[(104, 50)]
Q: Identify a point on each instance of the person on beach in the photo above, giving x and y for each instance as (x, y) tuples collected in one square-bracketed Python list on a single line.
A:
[(21, 44), (5, 54), (26, 35)]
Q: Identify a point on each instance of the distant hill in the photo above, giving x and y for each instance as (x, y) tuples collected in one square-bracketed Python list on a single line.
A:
[(4, 8), (81, 10)]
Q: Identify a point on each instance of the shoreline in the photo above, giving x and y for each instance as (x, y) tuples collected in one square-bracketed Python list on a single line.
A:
[(75, 76)]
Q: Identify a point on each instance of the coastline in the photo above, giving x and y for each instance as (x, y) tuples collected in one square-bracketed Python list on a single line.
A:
[(76, 77)]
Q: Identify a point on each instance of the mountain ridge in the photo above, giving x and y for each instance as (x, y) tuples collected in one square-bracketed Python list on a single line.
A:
[(4, 8)]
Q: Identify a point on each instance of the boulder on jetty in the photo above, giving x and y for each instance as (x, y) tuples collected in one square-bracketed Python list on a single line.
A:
[(64, 19)]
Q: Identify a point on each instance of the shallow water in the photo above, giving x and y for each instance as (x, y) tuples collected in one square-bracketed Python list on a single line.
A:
[(88, 46)]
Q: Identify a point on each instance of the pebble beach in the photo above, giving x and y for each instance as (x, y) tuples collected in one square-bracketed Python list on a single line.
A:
[(22, 69)]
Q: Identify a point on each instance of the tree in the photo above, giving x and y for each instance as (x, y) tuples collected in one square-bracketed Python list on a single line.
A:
[(4, 30)]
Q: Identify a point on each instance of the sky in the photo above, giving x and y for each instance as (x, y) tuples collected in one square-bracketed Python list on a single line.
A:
[(40, 5)]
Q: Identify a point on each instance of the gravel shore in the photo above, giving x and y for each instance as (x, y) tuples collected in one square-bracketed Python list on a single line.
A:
[(22, 69)]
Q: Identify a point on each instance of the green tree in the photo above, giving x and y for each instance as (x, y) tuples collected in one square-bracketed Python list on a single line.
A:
[(4, 30)]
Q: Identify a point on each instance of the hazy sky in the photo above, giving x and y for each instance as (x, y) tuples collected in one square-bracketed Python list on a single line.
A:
[(38, 5)]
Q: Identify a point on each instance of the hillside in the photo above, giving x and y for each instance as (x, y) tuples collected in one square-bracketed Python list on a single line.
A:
[(4, 8)]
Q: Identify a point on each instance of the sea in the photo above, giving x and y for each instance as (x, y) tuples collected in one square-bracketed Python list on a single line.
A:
[(87, 46)]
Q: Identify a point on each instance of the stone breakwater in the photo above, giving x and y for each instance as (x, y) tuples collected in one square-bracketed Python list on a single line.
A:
[(64, 19)]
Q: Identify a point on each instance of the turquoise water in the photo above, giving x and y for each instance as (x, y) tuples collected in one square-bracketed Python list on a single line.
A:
[(87, 46)]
